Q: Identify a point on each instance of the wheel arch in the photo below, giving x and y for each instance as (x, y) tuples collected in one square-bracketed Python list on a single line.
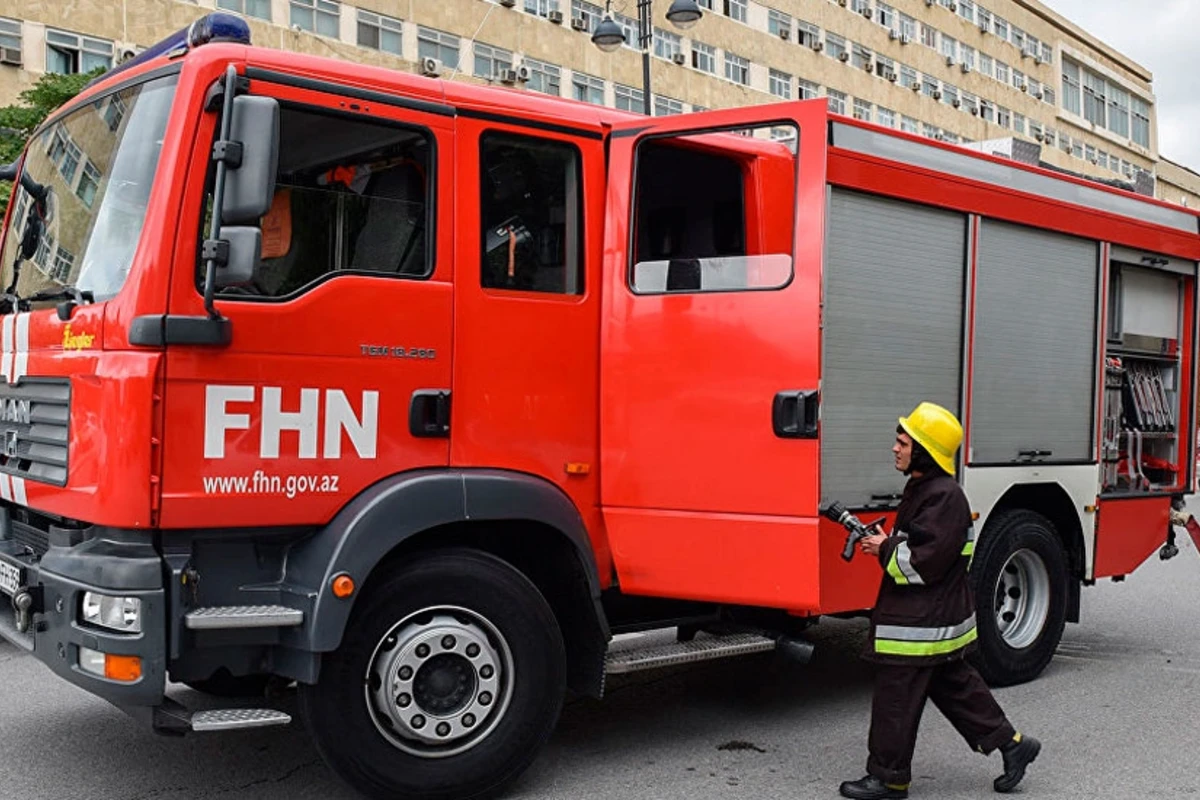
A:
[(522, 519)]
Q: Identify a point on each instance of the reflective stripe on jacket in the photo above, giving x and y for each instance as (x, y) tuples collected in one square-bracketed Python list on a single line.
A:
[(924, 612)]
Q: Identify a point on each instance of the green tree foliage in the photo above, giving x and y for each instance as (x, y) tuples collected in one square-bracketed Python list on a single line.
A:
[(18, 122)]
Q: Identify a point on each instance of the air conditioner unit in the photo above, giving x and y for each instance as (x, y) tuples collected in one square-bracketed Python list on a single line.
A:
[(937, 94), (679, 58), (905, 38), (956, 103), (954, 7), (579, 23), (928, 2), (523, 74), (842, 3), (10, 55), (868, 66), (1038, 94), (785, 33), (508, 76), (843, 56), (1024, 87), (817, 45), (1037, 136), (949, 61), (983, 27), (508, 3), (1026, 52), (556, 17), (866, 12), (966, 67), (915, 86), (430, 66), (975, 111), (893, 35), (891, 76)]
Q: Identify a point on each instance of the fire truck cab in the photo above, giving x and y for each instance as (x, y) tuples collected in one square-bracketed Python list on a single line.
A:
[(419, 394)]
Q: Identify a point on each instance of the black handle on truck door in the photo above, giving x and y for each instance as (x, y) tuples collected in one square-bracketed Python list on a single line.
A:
[(794, 414), (429, 414)]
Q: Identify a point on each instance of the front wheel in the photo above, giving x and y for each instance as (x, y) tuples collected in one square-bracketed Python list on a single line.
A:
[(449, 680), (1019, 578)]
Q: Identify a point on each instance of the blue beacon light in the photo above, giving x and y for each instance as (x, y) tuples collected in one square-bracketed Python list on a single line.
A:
[(215, 27)]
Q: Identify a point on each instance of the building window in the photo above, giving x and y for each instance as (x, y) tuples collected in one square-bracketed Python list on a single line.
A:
[(250, 8), (1003, 117), (884, 66), (908, 124), (1141, 122), (1000, 28), (64, 259), (809, 34), (860, 57), (859, 6), (908, 76), (1047, 53), (543, 77), (970, 103), (437, 44), (929, 85), (778, 21), (928, 36), (1095, 100), (69, 53), (532, 235), (489, 61), (949, 94), (836, 101), (986, 65), (737, 69), (862, 110), (967, 54), (704, 57), (10, 34), (886, 15), (987, 111), (1018, 37), (317, 16), (1019, 123), (590, 14), (985, 19), (629, 99), (808, 90), (908, 27), (1048, 95), (1002, 72), (666, 106), (629, 27), (929, 131), (587, 88), (666, 44), (966, 10), (834, 45), (781, 84), (885, 117), (541, 8), (949, 47), (1102, 159), (736, 9), (380, 33)]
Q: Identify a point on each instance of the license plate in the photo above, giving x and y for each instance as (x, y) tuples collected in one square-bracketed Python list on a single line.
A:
[(11, 578)]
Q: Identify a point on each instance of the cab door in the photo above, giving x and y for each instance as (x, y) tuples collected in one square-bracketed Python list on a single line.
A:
[(339, 368), (709, 358)]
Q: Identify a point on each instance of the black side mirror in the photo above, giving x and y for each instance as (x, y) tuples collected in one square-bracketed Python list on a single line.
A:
[(32, 236)]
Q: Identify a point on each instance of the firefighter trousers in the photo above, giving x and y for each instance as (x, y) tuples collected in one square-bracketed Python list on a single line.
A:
[(956, 689)]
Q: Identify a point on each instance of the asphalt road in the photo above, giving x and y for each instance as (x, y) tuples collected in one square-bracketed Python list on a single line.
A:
[(1118, 711)]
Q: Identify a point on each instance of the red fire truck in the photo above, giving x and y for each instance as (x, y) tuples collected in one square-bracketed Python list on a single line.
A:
[(419, 394)]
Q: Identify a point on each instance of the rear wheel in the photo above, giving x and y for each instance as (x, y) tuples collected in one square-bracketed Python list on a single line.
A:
[(1019, 577), (449, 680)]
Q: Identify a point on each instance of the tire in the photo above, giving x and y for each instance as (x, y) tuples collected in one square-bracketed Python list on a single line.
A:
[(470, 610), (1019, 579)]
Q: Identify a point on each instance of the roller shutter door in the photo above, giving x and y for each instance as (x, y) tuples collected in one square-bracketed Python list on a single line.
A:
[(893, 329), (1035, 345)]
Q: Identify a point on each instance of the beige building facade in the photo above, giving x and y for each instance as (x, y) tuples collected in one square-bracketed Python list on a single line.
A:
[(1009, 73)]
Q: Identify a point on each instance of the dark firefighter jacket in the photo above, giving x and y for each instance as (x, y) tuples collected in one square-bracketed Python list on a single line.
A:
[(925, 613)]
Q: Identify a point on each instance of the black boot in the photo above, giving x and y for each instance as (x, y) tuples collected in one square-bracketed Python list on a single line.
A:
[(1017, 756), (871, 788)]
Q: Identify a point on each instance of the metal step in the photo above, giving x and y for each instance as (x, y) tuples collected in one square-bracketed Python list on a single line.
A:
[(702, 648), (235, 719), (228, 617)]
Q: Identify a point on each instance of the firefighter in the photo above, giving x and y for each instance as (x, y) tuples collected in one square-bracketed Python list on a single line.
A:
[(923, 624)]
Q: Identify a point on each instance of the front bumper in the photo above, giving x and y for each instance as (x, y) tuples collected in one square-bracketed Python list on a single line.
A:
[(100, 560)]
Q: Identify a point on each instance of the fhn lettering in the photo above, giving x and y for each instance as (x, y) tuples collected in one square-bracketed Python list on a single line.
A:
[(323, 412)]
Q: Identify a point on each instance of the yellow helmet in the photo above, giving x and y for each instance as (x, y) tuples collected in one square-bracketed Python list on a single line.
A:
[(937, 430)]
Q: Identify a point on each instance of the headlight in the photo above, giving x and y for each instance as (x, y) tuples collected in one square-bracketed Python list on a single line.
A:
[(123, 614)]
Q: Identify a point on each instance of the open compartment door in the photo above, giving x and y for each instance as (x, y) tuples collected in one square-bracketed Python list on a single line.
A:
[(710, 371)]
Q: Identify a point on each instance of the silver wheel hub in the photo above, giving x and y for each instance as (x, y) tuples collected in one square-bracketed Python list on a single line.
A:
[(1022, 599), (439, 681)]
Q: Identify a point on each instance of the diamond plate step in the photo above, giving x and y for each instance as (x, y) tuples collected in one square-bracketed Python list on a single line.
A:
[(702, 648), (227, 617), (234, 719)]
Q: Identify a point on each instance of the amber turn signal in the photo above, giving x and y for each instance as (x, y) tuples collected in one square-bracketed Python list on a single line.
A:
[(343, 586)]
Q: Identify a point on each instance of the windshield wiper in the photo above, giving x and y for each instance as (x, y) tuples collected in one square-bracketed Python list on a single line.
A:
[(72, 297)]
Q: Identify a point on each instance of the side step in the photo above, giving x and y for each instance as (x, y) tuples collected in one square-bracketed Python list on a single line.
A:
[(236, 719), (229, 617), (628, 656)]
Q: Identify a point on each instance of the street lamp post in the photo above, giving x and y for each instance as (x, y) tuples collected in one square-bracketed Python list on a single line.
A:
[(609, 36)]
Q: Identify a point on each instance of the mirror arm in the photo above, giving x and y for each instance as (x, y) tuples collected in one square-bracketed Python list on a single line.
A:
[(214, 232)]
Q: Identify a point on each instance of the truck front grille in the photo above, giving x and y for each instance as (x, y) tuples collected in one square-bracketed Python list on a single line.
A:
[(34, 417)]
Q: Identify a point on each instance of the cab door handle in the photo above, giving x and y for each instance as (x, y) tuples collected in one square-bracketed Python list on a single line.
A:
[(795, 414), (429, 414)]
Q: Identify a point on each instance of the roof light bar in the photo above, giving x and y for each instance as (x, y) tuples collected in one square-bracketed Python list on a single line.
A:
[(214, 27)]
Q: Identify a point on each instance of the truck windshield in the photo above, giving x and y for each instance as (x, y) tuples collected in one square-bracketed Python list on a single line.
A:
[(98, 164)]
